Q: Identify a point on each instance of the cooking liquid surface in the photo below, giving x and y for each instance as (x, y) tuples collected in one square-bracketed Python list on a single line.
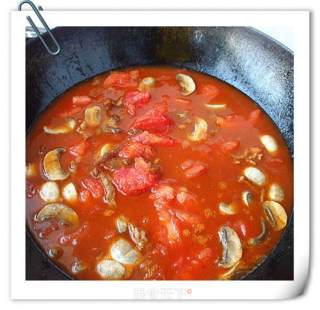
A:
[(193, 250)]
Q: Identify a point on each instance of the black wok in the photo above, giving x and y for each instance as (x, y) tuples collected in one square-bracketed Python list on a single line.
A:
[(243, 57)]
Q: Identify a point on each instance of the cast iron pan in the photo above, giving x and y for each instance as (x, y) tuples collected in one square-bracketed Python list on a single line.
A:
[(250, 61)]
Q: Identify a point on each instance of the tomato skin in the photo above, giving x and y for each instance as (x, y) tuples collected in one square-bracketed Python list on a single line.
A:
[(135, 99), (153, 121), (79, 149), (94, 187), (148, 138), (119, 80), (81, 100)]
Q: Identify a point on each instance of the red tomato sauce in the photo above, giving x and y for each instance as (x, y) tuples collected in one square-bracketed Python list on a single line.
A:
[(163, 171)]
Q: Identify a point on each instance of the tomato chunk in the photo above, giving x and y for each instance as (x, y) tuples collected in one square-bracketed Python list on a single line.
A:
[(94, 187), (81, 100), (148, 138), (135, 149), (135, 180), (119, 80), (193, 168), (229, 146), (135, 99), (79, 149), (153, 121)]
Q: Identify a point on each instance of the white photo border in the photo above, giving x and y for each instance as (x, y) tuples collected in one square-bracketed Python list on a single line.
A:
[(21, 289)]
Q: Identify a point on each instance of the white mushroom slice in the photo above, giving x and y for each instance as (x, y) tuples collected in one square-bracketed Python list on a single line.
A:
[(51, 165), (58, 211), (67, 126), (147, 83), (124, 253), (227, 208), (246, 198), (31, 170), (187, 84), (232, 249), (92, 116), (276, 192), (109, 269), (275, 214), (215, 106), (199, 132), (138, 236), (69, 192), (269, 143), (255, 176), (121, 224), (49, 191)]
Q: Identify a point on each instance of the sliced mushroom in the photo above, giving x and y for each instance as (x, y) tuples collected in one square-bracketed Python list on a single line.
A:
[(261, 237), (92, 116), (31, 170), (215, 106), (109, 190), (147, 83), (49, 191), (121, 224), (276, 192), (138, 236), (246, 198), (232, 249), (67, 126), (227, 208), (51, 165), (124, 253), (255, 176), (69, 192), (110, 269), (104, 151), (269, 143), (58, 211), (187, 84), (78, 266), (275, 214), (199, 132)]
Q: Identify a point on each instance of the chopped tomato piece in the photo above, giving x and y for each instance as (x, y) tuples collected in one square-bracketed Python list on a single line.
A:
[(31, 189), (120, 80), (254, 116), (94, 187), (153, 121), (136, 149), (209, 91), (135, 180), (163, 192), (79, 149), (135, 99), (81, 100), (229, 146), (148, 138), (193, 168), (170, 222)]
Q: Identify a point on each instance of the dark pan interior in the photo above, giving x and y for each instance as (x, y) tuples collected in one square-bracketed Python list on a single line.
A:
[(250, 61)]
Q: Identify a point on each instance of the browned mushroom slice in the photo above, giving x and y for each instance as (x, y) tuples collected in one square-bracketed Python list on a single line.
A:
[(58, 211), (200, 130), (92, 116), (51, 165), (246, 198), (261, 237), (67, 126), (275, 214), (123, 252), (276, 192), (232, 249), (187, 84), (121, 224), (227, 208), (109, 190)]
